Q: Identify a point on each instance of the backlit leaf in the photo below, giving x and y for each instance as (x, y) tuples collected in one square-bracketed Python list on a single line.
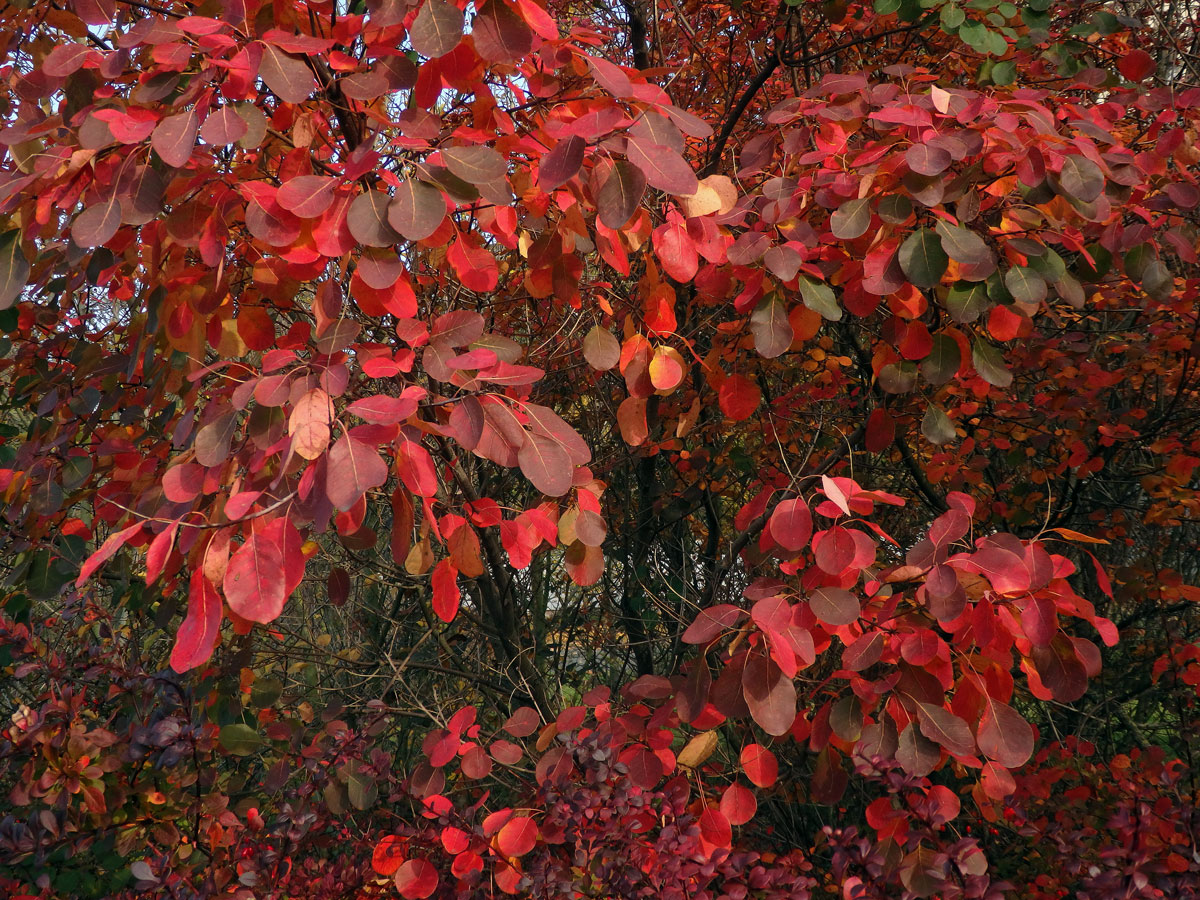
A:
[(620, 194), (254, 581), (562, 163), (197, 635), (286, 74), (416, 210), (1004, 734), (437, 29), (174, 138), (663, 167), (353, 469)]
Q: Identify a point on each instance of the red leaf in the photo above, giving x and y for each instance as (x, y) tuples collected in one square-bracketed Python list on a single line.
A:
[(666, 369), (770, 695), (738, 804), (223, 127), (545, 421), (676, 251), (926, 160), (834, 606), (619, 196), (384, 410), (473, 264), (416, 879), (254, 580), (584, 564), (834, 550), (523, 722), (197, 636), (415, 467), (631, 418), (417, 210), (160, 550), (309, 423), (714, 828), (111, 545), (354, 468), (388, 854), (562, 163), (518, 836), (943, 727), (738, 397), (546, 464), (601, 350), (437, 29), (174, 138), (1004, 735), (1060, 670), (65, 59), (307, 196), (712, 622), (1137, 65), (539, 20), (791, 525), (997, 782), (475, 163), (663, 167), (285, 74), (760, 765), (446, 594), (97, 224), (881, 430), (368, 219), (499, 34), (772, 330)]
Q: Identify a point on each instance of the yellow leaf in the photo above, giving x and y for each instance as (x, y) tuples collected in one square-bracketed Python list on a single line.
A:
[(1070, 535), (698, 749)]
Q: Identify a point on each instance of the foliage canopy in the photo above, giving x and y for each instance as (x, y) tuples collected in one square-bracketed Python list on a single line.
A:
[(713, 449)]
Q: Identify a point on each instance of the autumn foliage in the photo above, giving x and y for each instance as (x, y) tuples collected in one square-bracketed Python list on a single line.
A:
[(687, 450)]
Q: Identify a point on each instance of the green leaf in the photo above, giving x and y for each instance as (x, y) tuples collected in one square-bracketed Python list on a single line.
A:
[(1049, 265), (922, 258), (952, 16), (883, 7), (1004, 73), (1137, 259), (989, 363), (995, 44), (943, 360), (966, 302), (362, 790), (966, 248), (895, 208), (974, 34), (265, 692), (14, 269), (898, 378), (937, 427), (851, 219), (1157, 281), (1102, 259), (240, 740), (1081, 178), (1025, 285), (818, 297)]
